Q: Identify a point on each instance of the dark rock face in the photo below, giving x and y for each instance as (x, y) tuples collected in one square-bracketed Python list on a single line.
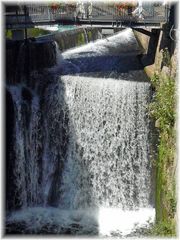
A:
[(18, 228), (72, 229), (23, 57), (27, 119), (44, 54), (26, 95), (12, 52), (10, 155)]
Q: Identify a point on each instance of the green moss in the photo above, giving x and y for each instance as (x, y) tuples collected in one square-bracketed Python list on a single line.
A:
[(89, 33), (163, 229), (8, 34), (31, 32), (36, 32), (80, 39), (162, 109)]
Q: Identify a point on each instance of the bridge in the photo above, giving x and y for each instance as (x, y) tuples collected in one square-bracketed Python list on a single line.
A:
[(87, 14)]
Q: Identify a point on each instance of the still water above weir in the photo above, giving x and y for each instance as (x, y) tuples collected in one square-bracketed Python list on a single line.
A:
[(81, 144)]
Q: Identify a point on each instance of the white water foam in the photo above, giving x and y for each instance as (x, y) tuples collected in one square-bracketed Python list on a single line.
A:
[(104, 221), (113, 220), (96, 166), (108, 162), (26, 146), (114, 45)]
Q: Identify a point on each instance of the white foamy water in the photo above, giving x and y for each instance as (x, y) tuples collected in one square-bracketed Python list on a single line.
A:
[(113, 221), (83, 145), (26, 146), (109, 56), (113, 45), (108, 153), (103, 221)]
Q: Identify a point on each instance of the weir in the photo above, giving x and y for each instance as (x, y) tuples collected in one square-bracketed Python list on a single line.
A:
[(81, 143)]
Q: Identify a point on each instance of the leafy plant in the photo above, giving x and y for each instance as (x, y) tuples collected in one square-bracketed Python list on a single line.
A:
[(163, 106)]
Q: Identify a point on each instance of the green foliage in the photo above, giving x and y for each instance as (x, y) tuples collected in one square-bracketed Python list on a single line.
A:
[(163, 106), (154, 80), (162, 109), (166, 58), (164, 229)]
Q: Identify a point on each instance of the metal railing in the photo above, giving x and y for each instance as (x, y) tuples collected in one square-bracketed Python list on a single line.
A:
[(35, 13)]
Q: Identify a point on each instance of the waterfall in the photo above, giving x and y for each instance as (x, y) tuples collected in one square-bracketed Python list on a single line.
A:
[(82, 144), (108, 161), (85, 35), (115, 45), (70, 38), (26, 145)]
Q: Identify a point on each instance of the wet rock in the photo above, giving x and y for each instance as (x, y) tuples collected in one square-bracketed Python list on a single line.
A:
[(10, 155), (22, 57), (26, 95), (16, 228)]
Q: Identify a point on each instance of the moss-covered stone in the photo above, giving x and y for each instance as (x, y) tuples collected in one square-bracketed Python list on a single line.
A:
[(89, 33), (31, 32), (80, 39)]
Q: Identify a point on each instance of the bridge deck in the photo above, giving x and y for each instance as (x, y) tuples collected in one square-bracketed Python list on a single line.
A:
[(91, 15)]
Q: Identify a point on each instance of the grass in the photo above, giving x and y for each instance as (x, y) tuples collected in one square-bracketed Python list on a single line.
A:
[(162, 109)]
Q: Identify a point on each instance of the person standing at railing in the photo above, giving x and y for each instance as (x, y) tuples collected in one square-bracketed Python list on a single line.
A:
[(88, 9), (125, 9), (139, 11), (80, 10), (54, 7)]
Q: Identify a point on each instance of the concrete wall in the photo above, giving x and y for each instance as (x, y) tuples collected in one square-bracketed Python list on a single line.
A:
[(18, 34), (39, 53), (76, 37), (160, 51)]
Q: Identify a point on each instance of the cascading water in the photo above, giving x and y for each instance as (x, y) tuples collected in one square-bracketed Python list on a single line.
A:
[(108, 154), (82, 144), (85, 35)]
